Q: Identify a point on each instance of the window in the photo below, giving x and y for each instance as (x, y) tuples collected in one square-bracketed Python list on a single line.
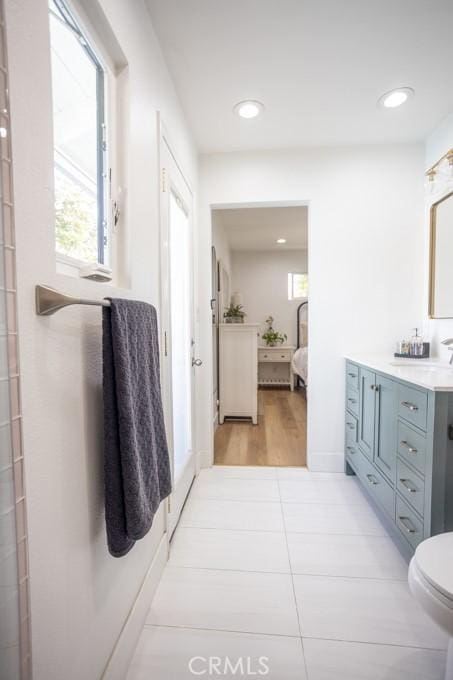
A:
[(80, 163), (297, 286)]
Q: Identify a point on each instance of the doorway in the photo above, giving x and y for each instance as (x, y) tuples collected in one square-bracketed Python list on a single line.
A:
[(177, 324), (262, 282)]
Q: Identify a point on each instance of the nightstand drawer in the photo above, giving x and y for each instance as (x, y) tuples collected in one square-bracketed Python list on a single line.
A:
[(274, 354)]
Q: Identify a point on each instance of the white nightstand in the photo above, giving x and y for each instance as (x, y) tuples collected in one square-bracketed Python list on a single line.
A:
[(275, 366)]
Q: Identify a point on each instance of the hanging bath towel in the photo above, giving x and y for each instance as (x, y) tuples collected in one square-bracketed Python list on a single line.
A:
[(136, 461)]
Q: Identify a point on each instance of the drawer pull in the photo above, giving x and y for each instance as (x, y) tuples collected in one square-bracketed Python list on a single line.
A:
[(407, 485), (352, 375), (351, 426), (282, 356), (411, 407), (352, 401), (407, 524), (375, 388), (372, 480), (351, 449), (408, 446)]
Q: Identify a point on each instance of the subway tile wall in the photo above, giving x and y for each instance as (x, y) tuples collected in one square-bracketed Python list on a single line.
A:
[(15, 651)]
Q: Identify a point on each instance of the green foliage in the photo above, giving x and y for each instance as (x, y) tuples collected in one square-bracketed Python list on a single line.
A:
[(234, 311), (271, 337), (75, 221)]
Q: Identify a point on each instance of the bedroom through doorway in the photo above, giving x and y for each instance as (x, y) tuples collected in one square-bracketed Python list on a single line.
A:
[(260, 312)]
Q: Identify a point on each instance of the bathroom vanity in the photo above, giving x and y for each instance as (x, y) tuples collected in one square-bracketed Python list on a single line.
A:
[(399, 442)]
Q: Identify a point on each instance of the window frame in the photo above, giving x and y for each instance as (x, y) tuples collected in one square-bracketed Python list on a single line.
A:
[(291, 295), (69, 15)]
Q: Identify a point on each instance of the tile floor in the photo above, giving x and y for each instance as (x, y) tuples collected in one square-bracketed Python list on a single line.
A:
[(284, 574)]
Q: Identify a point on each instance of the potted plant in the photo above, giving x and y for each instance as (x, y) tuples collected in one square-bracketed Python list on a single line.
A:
[(271, 337), (234, 314)]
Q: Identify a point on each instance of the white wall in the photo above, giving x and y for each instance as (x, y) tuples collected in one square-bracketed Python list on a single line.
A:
[(220, 242), (365, 249), (436, 330), (80, 596), (262, 278)]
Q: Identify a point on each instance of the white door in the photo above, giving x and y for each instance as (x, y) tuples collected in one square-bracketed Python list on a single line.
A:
[(177, 326)]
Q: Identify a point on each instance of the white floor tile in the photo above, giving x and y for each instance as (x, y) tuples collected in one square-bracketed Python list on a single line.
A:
[(332, 519), (340, 555), (166, 654), (345, 491), (364, 610), (334, 660), (225, 549), (236, 489), (303, 474), (239, 472), (247, 515), (225, 600)]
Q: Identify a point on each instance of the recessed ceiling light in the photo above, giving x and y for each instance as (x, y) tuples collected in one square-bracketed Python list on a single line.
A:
[(394, 98), (249, 108), (281, 240)]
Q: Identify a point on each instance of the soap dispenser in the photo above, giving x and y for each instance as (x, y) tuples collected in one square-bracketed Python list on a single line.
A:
[(416, 344)]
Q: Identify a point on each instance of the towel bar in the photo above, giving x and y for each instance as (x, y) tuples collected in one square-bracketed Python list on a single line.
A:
[(49, 301)]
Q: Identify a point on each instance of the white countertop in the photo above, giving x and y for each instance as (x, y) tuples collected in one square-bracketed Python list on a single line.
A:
[(431, 374)]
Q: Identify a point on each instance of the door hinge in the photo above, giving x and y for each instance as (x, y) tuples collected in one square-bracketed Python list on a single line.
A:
[(165, 344), (168, 504), (164, 180)]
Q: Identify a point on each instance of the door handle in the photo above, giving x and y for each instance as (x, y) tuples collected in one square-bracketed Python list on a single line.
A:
[(408, 446), (407, 524), (196, 362), (407, 485), (372, 480), (411, 407)]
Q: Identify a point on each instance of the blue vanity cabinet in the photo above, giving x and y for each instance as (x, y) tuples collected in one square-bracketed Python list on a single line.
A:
[(386, 405), (367, 411), (399, 443)]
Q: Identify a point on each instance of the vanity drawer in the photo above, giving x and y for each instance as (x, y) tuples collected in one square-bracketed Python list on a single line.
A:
[(377, 486), (409, 525), (352, 376), (410, 486), (413, 405), (274, 354), (352, 401), (412, 446), (352, 429)]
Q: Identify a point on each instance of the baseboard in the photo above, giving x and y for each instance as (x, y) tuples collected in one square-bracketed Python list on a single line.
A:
[(118, 664), (326, 462)]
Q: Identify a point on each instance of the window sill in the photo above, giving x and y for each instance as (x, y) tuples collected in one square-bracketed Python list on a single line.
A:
[(70, 266)]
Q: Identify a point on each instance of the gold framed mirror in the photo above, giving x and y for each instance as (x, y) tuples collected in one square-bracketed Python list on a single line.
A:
[(441, 259)]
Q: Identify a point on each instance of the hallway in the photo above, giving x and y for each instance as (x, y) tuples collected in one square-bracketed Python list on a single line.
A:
[(279, 439), (290, 571)]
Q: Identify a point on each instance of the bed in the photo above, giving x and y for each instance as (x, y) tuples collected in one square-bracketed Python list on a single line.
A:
[(300, 358)]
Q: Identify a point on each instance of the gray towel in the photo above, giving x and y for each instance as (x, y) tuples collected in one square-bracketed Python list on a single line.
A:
[(136, 461)]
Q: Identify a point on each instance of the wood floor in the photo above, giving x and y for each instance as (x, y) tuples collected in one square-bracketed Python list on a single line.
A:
[(279, 439)]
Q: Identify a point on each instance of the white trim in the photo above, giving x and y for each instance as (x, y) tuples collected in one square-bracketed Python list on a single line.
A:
[(119, 661)]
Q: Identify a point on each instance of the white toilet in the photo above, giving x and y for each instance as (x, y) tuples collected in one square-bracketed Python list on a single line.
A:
[(431, 583)]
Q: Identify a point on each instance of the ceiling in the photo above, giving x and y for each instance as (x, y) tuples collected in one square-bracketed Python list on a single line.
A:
[(259, 228), (318, 66)]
